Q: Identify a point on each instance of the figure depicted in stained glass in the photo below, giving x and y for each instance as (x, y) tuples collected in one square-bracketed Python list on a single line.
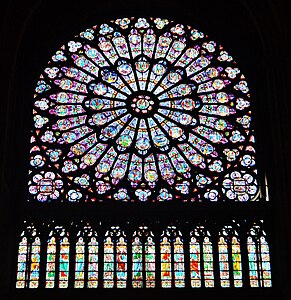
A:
[(58, 256), (143, 258), (115, 259), (172, 258), (121, 263), (208, 262), (35, 262), (259, 258), (28, 261), (51, 263), (223, 262), (64, 263), (80, 263), (195, 264), (93, 262), (21, 265), (134, 101), (230, 257), (86, 258), (142, 261), (179, 263), (201, 258), (236, 261), (166, 267)]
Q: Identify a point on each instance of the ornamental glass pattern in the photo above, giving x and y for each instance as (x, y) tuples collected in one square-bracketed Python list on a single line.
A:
[(28, 259), (143, 258), (86, 258), (230, 263), (140, 109), (201, 258), (197, 269), (57, 260), (172, 258), (259, 258), (80, 263), (34, 263), (115, 259), (21, 264)]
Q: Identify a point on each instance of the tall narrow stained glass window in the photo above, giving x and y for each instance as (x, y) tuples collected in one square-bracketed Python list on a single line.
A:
[(64, 262), (28, 261), (201, 258), (223, 262), (230, 265), (93, 262), (86, 258), (21, 265), (208, 262), (136, 101), (236, 261), (143, 258), (195, 262), (115, 259), (34, 263), (58, 254), (259, 257), (172, 258), (80, 263)]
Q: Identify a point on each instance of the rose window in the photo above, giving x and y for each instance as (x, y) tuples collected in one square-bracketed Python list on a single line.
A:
[(142, 110)]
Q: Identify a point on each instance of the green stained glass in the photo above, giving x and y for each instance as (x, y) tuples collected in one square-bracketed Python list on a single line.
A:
[(166, 98)]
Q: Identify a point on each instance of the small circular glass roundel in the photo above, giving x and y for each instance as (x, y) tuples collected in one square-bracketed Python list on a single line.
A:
[(142, 109), (142, 104)]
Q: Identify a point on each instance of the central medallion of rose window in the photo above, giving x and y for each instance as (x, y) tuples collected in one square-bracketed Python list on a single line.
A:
[(142, 104)]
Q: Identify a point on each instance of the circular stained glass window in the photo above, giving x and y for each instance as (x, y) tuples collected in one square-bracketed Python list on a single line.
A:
[(142, 110)]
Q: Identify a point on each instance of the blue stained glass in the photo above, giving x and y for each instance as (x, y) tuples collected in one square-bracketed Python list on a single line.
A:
[(149, 88)]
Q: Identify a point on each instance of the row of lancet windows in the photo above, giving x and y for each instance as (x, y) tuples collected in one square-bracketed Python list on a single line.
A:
[(143, 260)]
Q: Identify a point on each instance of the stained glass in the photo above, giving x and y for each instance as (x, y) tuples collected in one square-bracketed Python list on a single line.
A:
[(121, 263), (166, 267), (230, 265), (28, 259), (201, 258), (253, 267), (208, 263), (223, 262), (93, 263), (265, 266), (195, 265), (64, 263), (236, 262), (172, 258), (143, 259), (179, 272), (58, 251), (259, 258), (51, 263), (137, 263), (150, 265), (21, 265), (134, 101), (108, 264), (86, 258), (34, 263), (115, 259), (80, 263)]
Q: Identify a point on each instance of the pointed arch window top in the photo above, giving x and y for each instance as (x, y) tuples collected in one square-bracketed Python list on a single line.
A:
[(142, 110), (28, 263)]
